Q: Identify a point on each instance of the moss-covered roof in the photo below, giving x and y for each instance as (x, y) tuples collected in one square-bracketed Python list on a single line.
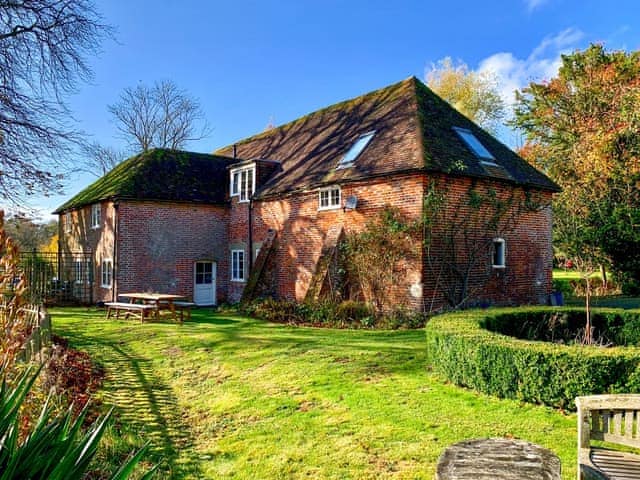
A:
[(160, 174), (414, 131)]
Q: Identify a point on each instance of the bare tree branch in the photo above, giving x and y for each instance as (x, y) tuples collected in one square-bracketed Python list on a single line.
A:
[(44, 45), (162, 116), (100, 159)]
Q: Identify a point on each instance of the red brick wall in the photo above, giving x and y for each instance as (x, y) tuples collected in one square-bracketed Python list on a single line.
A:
[(302, 227), (84, 238), (301, 230), (159, 243), (526, 277)]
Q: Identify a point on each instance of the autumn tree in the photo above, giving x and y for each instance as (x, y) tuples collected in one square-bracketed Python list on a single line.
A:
[(472, 93), (583, 128), (44, 46), (29, 234), (158, 116)]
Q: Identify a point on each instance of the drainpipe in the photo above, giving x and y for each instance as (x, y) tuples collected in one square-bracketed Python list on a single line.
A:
[(250, 240), (114, 282), (59, 259)]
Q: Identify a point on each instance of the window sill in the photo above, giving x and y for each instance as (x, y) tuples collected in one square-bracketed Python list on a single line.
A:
[(324, 209), (499, 267), (105, 286), (236, 280)]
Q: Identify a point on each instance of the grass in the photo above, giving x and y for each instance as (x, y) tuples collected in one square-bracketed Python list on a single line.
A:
[(562, 278), (225, 396)]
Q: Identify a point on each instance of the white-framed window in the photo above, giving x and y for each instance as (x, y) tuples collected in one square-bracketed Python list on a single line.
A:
[(243, 182), (107, 273), (88, 272), (96, 211), (499, 253), (79, 271), (237, 265), (356, 149), (67, 222), (475, 146), (329, 198)]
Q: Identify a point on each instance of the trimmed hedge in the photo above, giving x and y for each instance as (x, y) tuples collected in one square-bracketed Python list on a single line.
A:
[(460, 348)]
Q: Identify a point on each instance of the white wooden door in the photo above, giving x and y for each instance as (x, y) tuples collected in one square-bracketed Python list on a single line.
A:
[(204, 283)]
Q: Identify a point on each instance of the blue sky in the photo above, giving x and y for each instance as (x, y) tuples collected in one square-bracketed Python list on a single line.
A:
[(255, 63)]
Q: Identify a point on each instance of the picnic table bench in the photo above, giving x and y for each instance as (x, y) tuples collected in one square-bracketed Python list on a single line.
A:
[(614, 419), (135, 309)]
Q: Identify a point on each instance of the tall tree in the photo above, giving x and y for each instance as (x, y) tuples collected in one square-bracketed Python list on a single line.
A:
[(583, 129), (100, 159), (162, 116), (471, 93), (44, 46), (29, 234)]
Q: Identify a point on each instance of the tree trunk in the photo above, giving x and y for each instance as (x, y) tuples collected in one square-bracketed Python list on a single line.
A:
[(603, 274), (587, 334)]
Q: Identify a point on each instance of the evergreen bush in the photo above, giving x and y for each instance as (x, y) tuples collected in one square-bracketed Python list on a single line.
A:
[(461, 348)]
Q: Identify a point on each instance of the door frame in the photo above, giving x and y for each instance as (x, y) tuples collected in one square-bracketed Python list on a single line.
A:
[(214, 279)]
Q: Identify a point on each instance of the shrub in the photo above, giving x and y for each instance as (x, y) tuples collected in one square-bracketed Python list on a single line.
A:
[(345, 314), (271, 310), (351, 312), (56, 447), (459, 348)]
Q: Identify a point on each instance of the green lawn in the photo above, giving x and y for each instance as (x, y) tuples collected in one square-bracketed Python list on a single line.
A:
[(609, 301), (224, 396)]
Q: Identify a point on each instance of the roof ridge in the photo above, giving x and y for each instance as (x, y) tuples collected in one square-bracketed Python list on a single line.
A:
[(336, 106)]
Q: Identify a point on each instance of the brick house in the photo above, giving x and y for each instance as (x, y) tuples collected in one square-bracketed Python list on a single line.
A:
[(263, 214)]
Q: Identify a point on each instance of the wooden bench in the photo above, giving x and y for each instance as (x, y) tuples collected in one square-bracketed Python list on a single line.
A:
[(183, 307), (614, 419), (179, 309), (136, 309)]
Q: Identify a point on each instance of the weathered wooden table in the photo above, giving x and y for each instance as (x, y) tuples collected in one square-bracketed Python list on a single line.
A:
[(497, 459)]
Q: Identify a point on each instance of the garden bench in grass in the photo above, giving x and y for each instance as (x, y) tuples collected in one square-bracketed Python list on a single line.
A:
[(614, 419), (184, 307), (179, 308), (136, 309)]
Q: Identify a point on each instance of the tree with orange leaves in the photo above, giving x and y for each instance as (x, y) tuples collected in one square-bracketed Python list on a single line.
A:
[(583, 129)]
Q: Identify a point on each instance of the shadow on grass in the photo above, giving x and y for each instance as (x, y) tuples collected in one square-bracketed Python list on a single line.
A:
[(147, 404), (401, 351)]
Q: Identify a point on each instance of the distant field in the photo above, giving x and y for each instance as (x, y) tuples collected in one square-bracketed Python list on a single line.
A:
[(562, 279)]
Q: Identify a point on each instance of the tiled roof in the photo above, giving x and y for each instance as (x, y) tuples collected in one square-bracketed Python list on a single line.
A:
[(414, 131), (160, 174)]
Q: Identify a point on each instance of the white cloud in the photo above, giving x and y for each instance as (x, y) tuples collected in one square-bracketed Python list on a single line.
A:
[(542, 63), (533, 4)]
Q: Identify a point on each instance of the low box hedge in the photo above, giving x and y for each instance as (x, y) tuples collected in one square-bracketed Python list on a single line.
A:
[(461, 348)]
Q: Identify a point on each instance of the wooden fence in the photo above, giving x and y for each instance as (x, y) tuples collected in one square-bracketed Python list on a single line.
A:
[(38, 323)]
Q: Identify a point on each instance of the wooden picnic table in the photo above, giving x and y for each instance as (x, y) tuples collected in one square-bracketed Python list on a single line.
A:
[(497, 459), (158, 300)]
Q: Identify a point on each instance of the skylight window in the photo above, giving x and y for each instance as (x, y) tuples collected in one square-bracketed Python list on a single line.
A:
[(356, 149), (475, 146)]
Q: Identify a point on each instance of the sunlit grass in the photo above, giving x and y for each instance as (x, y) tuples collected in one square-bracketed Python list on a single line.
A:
[(224, 396)]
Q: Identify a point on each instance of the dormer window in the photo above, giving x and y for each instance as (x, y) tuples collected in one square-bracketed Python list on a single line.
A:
[(475, 146), (356, 149), (243, 182)]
